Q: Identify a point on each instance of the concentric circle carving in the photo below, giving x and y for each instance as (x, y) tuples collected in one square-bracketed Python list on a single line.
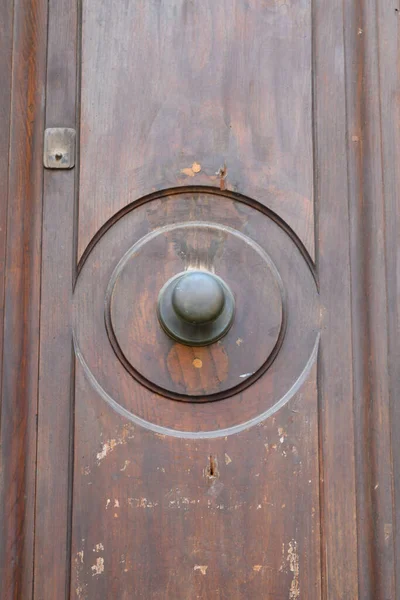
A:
[(226, 386), (166, 366)]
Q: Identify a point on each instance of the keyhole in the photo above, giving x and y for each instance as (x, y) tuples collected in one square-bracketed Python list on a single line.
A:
[(58, 156), (212, 468)]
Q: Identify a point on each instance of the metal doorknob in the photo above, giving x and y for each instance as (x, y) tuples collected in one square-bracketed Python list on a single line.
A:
[(196, 308)]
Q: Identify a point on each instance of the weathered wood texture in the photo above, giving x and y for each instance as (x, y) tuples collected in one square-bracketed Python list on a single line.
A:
[(337, 451), (55, 433), (372, 186), (278, 120), (225, 86), (23, 57)]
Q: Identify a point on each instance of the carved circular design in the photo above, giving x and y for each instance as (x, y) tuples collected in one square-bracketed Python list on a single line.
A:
[(167, 367), (136, 368)]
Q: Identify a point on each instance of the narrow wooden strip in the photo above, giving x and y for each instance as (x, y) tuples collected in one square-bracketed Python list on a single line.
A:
[(369, 300), (388, 19), (22, 297), (338, 494), (6, 40), (55, 427)]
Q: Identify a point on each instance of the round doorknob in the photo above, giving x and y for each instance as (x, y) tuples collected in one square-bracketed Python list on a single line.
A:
[(196, 308), (198, 297)]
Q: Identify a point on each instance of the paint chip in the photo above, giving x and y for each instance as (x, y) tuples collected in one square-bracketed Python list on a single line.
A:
[(239, 341), (196, 167), (293, 560), (201, 568), (197, 363), (257, 568), (98, 547), (98, 568), (227, 459), (109, 446)]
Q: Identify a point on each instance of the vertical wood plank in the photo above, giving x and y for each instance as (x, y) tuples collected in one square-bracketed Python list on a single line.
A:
[(338, 493), (388, 16), (6, 40), (22, 298), (55, 426), (367, 120)]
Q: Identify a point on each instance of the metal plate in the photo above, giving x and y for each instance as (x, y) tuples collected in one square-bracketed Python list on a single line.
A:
[(59, 148)]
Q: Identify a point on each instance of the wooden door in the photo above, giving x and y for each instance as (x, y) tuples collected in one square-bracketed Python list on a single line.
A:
[(252, 140)]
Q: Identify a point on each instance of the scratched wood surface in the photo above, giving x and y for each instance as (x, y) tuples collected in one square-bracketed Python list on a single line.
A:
[(23, 71), (212, 94), (278, 121)]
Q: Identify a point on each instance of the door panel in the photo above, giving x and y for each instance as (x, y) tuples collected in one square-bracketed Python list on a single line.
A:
[(247, 140), (175, 94)]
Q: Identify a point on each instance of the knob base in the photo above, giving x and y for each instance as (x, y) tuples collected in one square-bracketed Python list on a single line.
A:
[(193, 334)]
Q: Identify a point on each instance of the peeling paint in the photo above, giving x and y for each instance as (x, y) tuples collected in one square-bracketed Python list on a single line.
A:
[(191, 171), (98, 547), (239, 341), (257, 568), (98, 567), (110, 445), (126, 463), (201, 568), (293, 560), (116, 503), (141, 503), (283, 566), (79, 569), (227, 459)]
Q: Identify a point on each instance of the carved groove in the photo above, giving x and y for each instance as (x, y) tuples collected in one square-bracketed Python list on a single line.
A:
[(204, 190), (161, 390)]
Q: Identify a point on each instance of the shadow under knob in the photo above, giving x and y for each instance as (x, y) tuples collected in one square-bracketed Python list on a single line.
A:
[(196, 308)]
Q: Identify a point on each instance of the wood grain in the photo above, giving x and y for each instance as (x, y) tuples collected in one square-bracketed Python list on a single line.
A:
[(22, 294), (198, 103), (289, 488), (369, 306), (387, 47), (150, 521), (112, 377), (56, 402), (335, 385)]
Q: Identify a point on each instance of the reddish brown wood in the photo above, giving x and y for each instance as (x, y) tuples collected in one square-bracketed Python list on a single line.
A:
[(56, 401), (105, 364), (387, 47), (184, 74), (336, 424), (22, 291), (250, 115), (147, 510), (6, 47), (369, 306)]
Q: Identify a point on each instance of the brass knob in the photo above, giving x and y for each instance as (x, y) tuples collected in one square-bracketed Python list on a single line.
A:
[(196, 308)]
